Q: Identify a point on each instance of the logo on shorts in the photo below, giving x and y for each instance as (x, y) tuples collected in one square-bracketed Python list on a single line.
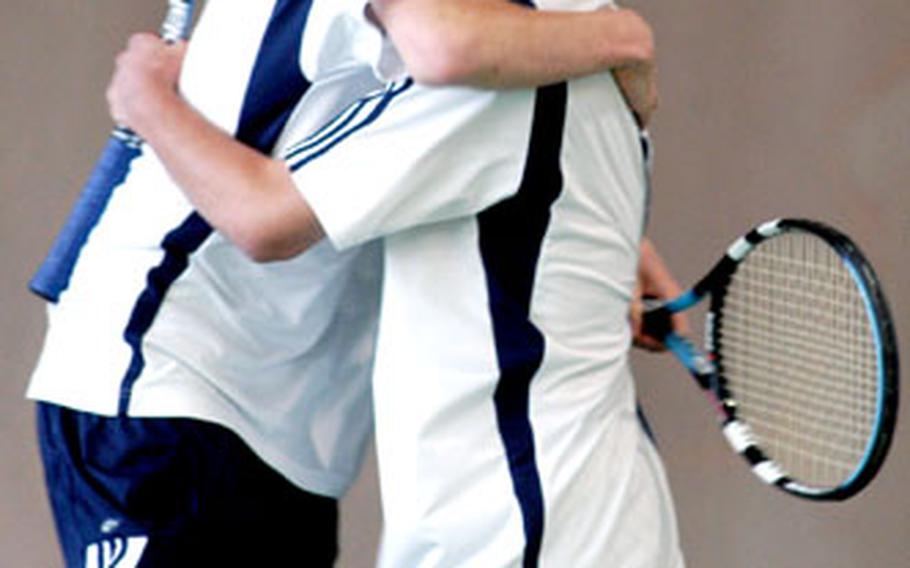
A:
[(115, 552)]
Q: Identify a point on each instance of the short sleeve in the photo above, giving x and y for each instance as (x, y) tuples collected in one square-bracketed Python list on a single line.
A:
[(410, 155), (340, 35)]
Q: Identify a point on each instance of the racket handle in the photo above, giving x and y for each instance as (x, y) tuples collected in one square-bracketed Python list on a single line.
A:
[(693, 359), (177, 21), (53, 275), (656, 321), (175, 27)]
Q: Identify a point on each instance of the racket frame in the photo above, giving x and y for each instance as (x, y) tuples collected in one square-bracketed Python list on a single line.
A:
[(706, 365)]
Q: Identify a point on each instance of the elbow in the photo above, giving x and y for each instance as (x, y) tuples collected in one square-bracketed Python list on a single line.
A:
[(266, 254), (447, 61), (286, 233), (275, 225), (640, 44), (434, 74), (261, 246)]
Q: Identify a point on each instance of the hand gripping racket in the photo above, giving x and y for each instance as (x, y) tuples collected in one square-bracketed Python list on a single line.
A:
[(800, 358), (52, 276)]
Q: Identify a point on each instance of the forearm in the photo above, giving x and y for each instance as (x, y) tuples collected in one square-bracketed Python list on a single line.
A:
[(654, 281), (654, 274), (495, 43), (247, 196)]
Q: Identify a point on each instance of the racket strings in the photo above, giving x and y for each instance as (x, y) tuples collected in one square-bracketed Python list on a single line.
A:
[(826, 409), (825, 394), (798, 354), (821, 429), (804, 359)]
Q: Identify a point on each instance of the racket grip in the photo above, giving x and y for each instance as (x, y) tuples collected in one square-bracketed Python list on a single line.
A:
[(53, 275), (656, 321), (177, 21), (692, 358)]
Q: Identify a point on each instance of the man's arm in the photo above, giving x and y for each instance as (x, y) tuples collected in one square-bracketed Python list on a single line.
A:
[(250, 198), (496, 44), (654, 281), (488, 43)]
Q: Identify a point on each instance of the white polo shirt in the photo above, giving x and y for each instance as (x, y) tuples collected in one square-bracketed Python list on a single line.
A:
[(164, 317), (505, 410)]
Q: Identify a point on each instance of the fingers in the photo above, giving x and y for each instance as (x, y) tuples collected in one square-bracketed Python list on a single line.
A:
[(149, 49), (639, 88), (636, 312), (655, 281), (147, 69), (143, 40)]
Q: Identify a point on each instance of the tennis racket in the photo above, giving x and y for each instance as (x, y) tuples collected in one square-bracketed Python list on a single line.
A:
[(123, 146), (800, 357)]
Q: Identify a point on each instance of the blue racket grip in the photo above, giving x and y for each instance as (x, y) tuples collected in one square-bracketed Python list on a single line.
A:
[(692, 358), (53, 275)]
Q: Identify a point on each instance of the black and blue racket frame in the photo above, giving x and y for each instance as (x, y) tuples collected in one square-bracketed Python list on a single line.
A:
[(707, 366)]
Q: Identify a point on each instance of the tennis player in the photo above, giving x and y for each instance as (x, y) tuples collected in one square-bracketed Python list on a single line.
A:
[(197, 408), (511, 224)]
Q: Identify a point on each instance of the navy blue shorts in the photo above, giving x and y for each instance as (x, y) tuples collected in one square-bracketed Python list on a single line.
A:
[(175, 493)]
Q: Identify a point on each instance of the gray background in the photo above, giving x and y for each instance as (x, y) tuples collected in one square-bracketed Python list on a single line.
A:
[(769, 108)]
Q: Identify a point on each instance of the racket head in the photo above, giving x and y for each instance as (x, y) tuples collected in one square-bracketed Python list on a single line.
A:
[(806, 361)]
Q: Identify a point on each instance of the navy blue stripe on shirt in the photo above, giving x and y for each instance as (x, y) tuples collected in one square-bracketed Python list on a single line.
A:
[(276, 85), (178, 245), (329, 131), (332, 128), (511, 235), (390, 93)]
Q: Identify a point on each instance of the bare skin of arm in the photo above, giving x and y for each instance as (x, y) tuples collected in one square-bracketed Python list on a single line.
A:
[(247, 196), (251, 198), (495, 44), (488, 43), (655, 281), (472, 42)]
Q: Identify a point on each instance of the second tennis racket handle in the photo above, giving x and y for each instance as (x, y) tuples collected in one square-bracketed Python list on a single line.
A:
[(53, 276)]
